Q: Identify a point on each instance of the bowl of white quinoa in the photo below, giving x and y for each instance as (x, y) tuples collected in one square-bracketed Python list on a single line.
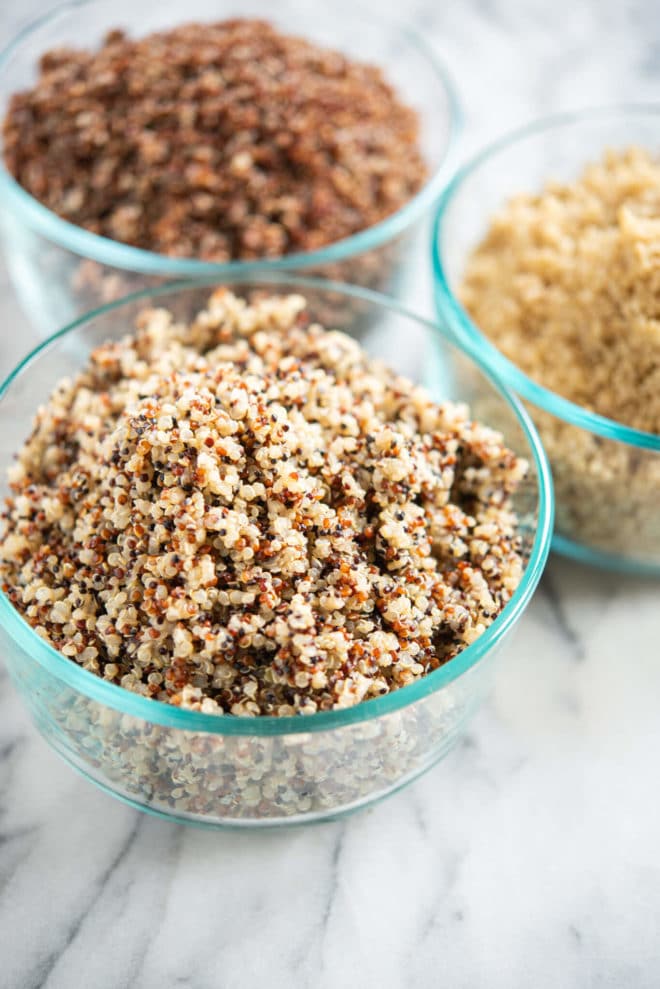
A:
[(251, 574), (547, 261)]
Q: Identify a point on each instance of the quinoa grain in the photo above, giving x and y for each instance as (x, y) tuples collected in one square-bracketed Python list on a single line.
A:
[(566, 283), (215, 141), (256, 518)]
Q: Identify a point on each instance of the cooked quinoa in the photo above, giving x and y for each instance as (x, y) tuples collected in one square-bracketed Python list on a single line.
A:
[(247, 514), (219, 141), (567, 284)]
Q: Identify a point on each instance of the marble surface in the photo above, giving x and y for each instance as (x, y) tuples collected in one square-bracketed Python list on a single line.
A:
[(528, 858)]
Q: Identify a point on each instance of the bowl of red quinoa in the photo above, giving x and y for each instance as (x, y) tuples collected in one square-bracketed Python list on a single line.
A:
[(546, 252), (251, 575), (168, 141)]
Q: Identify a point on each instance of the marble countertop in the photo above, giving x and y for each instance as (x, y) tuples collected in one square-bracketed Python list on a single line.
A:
[(529, 858)]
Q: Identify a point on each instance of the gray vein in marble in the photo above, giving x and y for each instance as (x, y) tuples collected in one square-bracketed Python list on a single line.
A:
[(56, 956), (419, 814), (115, 905), (7, 749), (333, 884), (438, 906), (569, 635), (17, 833), (15, 847)]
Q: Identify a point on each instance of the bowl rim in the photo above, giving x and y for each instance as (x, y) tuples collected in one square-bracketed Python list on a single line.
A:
[(449, 307), (159, 712), (119, 255)]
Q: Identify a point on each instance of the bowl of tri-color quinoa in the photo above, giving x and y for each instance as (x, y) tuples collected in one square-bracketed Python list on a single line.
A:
[(251, 575)]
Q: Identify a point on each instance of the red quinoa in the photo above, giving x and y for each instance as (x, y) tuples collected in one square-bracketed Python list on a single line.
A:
[(216, 141)]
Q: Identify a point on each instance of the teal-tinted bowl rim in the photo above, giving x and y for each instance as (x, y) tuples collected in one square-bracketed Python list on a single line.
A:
[(116, 697), (450, 309), (117, 255), (593, 557)]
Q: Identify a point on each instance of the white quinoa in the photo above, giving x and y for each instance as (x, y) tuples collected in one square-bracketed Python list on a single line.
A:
[(246, 514), (566, 283)]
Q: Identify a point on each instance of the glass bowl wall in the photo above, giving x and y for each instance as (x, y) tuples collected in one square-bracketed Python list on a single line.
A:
[(224, 770), (607, 476)]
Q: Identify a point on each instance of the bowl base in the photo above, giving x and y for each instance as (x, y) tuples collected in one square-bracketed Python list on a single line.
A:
[(602, 560)]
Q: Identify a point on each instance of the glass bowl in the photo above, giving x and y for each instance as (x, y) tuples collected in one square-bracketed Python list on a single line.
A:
[(606, 475), (61, 271), (224, 770)]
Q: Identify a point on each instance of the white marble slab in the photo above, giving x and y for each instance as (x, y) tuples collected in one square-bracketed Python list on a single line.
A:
[(529, 858)]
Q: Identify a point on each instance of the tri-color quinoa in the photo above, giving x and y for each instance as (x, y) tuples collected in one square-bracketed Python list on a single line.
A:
[(247, 514)]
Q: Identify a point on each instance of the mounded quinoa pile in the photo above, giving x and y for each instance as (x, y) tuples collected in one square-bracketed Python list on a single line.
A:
[(567, 284), (247, 514), (216, 141)]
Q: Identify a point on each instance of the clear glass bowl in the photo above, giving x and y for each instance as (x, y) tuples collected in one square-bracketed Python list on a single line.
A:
[(61, 271), (224, 770), (606, 475)]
